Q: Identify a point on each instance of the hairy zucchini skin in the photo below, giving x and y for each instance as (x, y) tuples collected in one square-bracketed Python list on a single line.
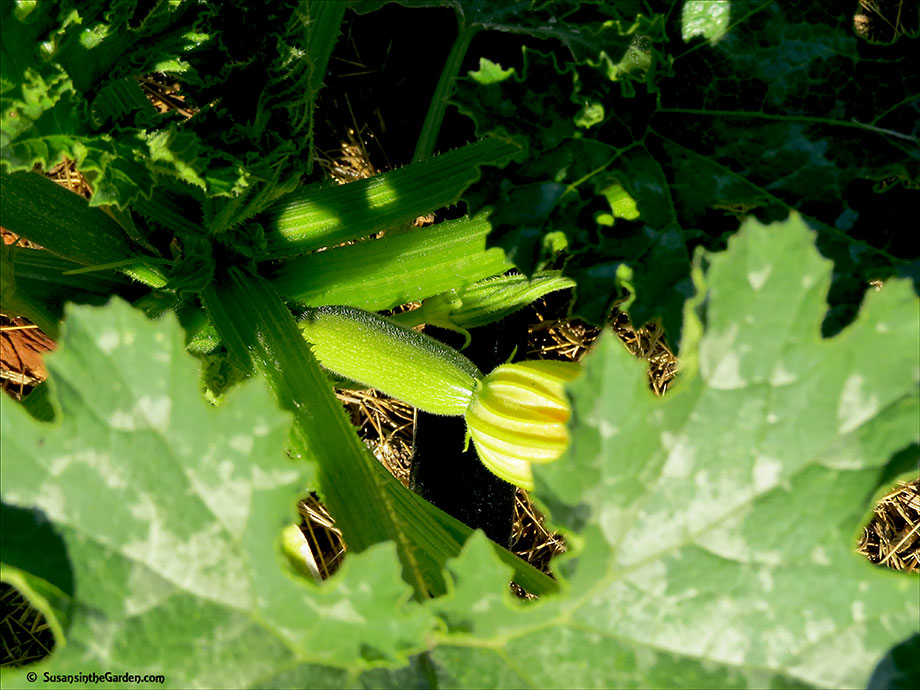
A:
[(518, 416), (402, 363)]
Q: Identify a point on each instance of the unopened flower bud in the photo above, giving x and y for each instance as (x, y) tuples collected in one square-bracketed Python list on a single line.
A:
[(518, 416)]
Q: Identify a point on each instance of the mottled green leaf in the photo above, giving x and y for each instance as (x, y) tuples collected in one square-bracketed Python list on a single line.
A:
[(735, 109), (118, 97), (171, 152), (714, 530), (490, 72), (171, 515), (31, 85), (604, 36), (706, 18)]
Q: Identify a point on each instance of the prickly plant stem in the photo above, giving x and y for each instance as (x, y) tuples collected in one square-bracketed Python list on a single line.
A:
[(257, 328), (438, 107)]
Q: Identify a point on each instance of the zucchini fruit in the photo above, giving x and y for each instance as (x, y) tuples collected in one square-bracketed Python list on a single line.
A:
[(400, 362)]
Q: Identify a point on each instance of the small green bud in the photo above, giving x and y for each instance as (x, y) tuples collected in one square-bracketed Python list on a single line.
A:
[(484, 302), (298, 552)]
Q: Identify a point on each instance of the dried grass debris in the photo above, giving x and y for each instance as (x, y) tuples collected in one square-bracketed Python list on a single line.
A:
[(66, 174), (324, 538), (164, 93), (22, 346), (25, 636), (387, 427), (892, 537)]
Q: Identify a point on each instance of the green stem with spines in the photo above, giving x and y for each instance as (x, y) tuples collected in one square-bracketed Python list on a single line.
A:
[(36, 283), (428, 137), (256, 326), (384, 273), (324, 215), (484, 302), (65, 224)]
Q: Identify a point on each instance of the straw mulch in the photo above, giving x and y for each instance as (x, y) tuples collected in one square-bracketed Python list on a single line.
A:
[(25, 636), (892, 537), (22, 345), (165, 94)]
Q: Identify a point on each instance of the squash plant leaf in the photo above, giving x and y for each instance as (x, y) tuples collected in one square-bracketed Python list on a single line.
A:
[(168, 515), (606, 34), (714, 529), (72, 86), (711, 114)]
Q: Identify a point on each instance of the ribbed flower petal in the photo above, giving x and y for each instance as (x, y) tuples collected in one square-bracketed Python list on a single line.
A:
[(518, 416)]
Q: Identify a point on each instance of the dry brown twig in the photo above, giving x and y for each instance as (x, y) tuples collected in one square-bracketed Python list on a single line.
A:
[(22, 346), (325, 539)]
